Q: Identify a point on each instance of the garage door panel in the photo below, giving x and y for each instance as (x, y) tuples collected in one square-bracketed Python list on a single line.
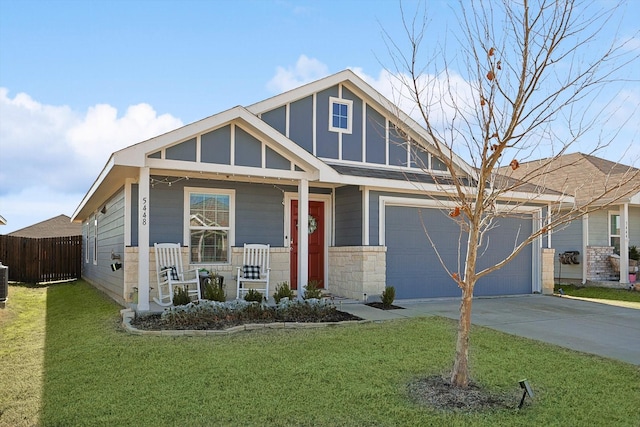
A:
[(413, 267)]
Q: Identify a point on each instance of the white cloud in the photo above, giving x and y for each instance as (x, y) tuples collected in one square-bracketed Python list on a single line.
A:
[(440, 105), (304, 71), (102, 132), (50, 152)]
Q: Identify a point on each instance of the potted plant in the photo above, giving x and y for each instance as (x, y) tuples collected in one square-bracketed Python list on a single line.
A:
[(634, 257)]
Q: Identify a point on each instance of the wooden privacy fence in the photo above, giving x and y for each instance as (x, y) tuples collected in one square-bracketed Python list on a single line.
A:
[(41, 260)]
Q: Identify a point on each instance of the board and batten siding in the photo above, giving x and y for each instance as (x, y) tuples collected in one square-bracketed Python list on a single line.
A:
[(352, 142), (110, 239), (348, 220)]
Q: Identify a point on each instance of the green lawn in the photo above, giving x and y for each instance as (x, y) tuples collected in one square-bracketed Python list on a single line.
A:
[(599, 293), (65, 361)]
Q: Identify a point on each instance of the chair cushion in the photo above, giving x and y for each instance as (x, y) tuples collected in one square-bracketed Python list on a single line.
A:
[(251, 271), (172, 272)]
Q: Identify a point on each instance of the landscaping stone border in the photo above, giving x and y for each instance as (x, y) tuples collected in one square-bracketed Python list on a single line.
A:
[(128, 315)]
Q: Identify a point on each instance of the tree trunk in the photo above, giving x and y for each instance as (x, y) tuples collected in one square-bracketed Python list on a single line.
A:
[(460, 372)]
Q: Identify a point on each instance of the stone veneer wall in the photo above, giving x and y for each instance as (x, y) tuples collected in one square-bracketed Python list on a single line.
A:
[(357, 270), (548, 257), (279, 270), (598, 267)]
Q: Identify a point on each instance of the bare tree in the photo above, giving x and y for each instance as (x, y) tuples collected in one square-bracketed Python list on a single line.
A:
[(519, 80)]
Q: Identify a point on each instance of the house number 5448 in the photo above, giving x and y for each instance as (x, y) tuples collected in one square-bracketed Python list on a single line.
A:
[(144, 211)]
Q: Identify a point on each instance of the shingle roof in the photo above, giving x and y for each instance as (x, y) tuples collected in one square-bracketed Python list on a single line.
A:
[(59, 226), (581, 175), (399, 175)]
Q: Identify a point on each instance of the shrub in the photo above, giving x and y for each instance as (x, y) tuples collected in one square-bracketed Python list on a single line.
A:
[(214, 292), (388, 295), (180, 296), (313, 290), (282, 291), (634, 253), (253, 295), (310, 310)]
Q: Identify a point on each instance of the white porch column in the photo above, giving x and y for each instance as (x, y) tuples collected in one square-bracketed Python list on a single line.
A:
[(303, 236), (143, 240), (585, 244), (624, 243)]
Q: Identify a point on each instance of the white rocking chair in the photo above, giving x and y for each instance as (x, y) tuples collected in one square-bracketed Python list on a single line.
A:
[(255, 269), (171, 274)]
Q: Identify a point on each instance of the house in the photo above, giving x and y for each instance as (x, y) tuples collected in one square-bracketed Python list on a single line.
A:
[(321, 173), (611, 229), (59, 226)]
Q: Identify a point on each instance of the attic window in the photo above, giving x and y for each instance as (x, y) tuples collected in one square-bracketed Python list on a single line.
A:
[(340, 115)]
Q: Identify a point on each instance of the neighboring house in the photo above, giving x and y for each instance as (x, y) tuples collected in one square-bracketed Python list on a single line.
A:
[(327, 152), (600, 233), (59, 226)]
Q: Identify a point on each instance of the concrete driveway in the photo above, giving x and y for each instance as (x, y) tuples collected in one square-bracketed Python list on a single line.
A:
[(602, 329)]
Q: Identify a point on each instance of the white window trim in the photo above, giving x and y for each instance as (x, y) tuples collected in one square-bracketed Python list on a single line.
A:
[(609, 213), (95, 240), (349, 104), (232, 218)]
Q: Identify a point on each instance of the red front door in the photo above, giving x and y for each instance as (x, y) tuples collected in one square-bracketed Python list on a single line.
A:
[(316, 243)]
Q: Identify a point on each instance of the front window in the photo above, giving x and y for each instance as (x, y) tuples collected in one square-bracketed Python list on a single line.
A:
[(210, 226), (614, 232), (340, 113)]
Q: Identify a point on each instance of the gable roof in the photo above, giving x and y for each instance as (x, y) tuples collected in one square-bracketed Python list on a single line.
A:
[(59, 226), (356, 84), (583, 176), (125, 164)]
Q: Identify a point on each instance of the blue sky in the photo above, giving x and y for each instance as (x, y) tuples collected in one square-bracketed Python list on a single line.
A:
[(81, 79)]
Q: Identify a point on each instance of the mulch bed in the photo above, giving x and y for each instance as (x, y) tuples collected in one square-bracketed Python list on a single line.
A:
[(383, 307), (436, 392), (154, 322)]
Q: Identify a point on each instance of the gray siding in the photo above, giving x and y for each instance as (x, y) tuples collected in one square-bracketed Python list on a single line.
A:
[(568, 239), (276, 161), (110, 238), (215, 146), (166, 213), (348, 220), (184, 151), (415, 271), (326, 141), (259, 211), (277, 119), (301, 123), (376, 136), (352, 143), (634, 226), (259, 214), (599, 228), (419, 156), (248, 150), (397, 148)]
